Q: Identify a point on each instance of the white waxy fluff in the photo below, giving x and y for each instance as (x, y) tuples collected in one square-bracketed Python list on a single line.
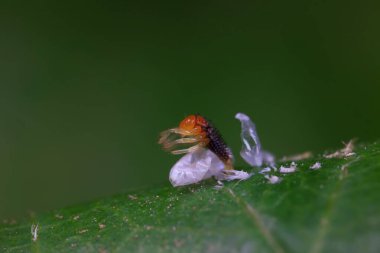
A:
[(194, 167), (200, 165)]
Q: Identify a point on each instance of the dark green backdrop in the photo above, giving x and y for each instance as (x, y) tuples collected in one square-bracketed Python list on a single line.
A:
[(85, 88)]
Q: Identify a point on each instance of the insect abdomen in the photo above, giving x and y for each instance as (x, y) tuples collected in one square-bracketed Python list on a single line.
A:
[(217, 145)]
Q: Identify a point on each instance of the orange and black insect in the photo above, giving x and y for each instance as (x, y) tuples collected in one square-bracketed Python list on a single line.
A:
[(195, 129)]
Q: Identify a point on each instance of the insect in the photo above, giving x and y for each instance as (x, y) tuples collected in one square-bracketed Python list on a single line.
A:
[(200, 133)]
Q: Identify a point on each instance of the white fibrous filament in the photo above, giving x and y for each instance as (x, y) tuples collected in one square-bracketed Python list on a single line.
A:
[(251, 150), (347, 151), (34, 232)]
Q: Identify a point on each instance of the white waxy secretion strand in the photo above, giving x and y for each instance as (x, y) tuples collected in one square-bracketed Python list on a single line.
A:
[(34, 232)]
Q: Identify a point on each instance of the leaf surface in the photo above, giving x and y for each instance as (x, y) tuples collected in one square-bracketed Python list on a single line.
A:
[(333, 209)]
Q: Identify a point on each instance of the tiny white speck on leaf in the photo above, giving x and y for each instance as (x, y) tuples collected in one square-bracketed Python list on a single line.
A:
[(273, 179), (219, 185), (132, 197), (83, 231), (316, 166)]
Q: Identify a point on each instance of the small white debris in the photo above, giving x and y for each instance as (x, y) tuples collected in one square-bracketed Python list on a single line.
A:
[(286, 170), (34, 232), (273, 179), (83, 231), (344, 152), (76, 217), (229, 175), (316, 166), (265, 170), (132, 197), (291, 169), (348, 147), (101, 226), (219, 185)]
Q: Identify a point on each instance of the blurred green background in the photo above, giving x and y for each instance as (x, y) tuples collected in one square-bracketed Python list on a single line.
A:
[(85, 88)]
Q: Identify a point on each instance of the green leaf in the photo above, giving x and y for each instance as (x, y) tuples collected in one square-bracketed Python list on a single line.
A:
[(333, 209)]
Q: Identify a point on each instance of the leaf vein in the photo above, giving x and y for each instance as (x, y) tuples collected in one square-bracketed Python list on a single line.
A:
[(255, 216), (324, 222)]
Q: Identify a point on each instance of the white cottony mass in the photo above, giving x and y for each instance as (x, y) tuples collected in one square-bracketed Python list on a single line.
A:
[(194, 167), (199, 165)]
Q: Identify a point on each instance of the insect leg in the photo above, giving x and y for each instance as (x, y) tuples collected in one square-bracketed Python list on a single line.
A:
[(187, 150), (168, 145), (166, 134)]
